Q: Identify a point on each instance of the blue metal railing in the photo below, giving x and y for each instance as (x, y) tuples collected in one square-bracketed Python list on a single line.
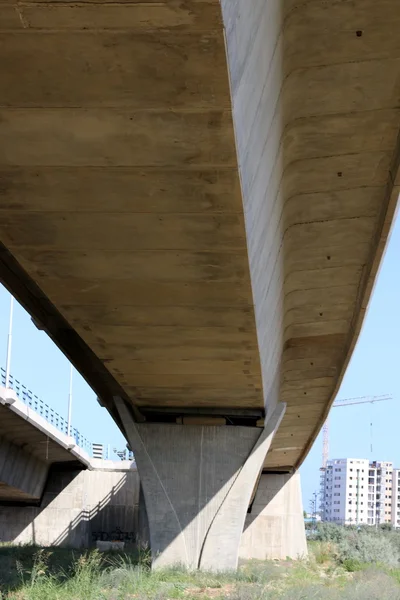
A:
[(45, 411)]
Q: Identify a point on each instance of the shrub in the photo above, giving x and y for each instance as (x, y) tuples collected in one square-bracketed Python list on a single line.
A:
[(323, 552), (329, 532), (351, 565), (362, 547)]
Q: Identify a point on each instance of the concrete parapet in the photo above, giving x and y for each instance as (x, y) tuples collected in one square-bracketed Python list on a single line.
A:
[(274, 529), (30, 419)]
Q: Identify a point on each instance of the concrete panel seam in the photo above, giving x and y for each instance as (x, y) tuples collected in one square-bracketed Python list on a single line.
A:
[(260, 448), (130, 425), (199, 495)]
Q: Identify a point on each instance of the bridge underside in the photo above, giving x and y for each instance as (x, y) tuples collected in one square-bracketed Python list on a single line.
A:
[(196, 196), (165, 277), (28, 447)]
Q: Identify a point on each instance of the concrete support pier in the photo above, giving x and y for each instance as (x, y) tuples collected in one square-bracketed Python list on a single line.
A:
[(197, 482), (274, 529)]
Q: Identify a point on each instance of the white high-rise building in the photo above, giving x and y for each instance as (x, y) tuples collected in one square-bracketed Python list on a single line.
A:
[(344, 493), (396, 498), (356, 492)]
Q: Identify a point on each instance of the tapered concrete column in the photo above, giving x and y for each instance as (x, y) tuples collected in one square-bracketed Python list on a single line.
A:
[(274, 529), (197, 482)]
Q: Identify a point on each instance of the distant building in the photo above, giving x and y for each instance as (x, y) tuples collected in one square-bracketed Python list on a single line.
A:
[(359, 492)]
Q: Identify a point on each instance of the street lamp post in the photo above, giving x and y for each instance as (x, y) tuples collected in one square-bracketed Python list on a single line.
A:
[(9, 342), (315, 510), (313, 504), (70, 402)]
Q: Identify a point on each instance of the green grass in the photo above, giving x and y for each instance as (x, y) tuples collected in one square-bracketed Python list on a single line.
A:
[(29, 573)]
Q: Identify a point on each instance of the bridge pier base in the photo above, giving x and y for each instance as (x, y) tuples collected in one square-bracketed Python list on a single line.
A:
[(274, 529), (197, 482)]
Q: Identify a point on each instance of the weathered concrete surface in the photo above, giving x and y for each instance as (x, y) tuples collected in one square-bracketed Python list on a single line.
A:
[(29, 445), (197, 482), (79, 507), (196, 195), (21, 424), (275, 527), (22, 475)]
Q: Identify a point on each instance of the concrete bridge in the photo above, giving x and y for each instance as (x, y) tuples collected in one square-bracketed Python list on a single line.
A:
[(195, 199), (29, 447)]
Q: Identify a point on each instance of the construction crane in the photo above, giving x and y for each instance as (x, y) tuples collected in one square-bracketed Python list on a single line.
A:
[(338, 404)]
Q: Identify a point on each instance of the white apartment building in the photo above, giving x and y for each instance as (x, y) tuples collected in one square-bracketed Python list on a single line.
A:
[(356, 491), (396, 498)]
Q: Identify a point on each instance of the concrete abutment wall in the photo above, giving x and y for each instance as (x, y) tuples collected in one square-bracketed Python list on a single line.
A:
[(79, 507), (197, 495), (21, 471), (274, 529)]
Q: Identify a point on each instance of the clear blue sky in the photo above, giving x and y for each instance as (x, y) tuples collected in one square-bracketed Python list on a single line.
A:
[(38, 363), (374, 370)]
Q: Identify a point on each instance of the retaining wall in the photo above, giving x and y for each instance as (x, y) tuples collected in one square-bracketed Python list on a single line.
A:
[(79, 507)]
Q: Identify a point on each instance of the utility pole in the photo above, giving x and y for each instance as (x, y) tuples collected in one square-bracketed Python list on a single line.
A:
[(315, 510), (70, 402), (9, 342), (313, 506)]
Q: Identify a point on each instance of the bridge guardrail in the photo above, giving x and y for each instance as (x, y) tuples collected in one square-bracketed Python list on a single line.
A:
[(45, 411)]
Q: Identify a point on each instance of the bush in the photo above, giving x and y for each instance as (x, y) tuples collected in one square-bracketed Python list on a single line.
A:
[(356, 546), (351, 565), (329, 532), (323, 552), (362, 547)]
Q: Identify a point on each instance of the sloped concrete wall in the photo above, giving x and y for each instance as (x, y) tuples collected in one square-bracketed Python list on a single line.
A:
[(78, 508), (274, 529), (21, 471)]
